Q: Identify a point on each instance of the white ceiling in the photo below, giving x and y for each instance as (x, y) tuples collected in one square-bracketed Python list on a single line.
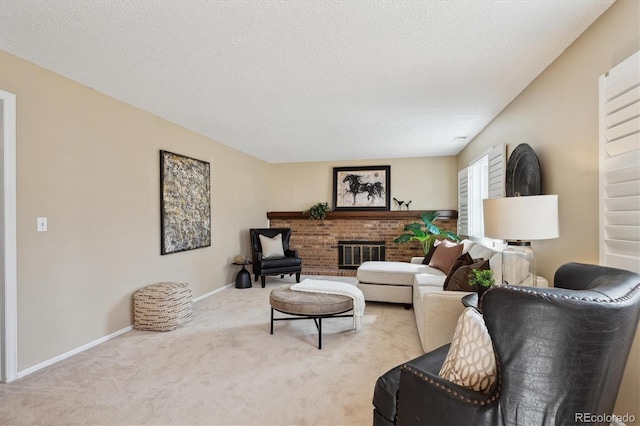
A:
[(291, 81)]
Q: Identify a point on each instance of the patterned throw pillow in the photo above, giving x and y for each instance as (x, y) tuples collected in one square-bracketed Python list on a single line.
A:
[(271, 247), (471, 362)]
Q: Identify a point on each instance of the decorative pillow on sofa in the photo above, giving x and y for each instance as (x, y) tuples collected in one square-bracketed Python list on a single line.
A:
[(444, 256), (471, 361), (467, 246), (464, 259), (271, 247), (460, 278), (429, 255), (479, 251), (495, 259)]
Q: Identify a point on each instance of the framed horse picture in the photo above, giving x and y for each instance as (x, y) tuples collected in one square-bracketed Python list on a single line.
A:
[(361, 188)]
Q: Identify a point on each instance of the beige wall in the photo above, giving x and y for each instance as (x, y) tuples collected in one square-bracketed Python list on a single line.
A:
[(558, 116), (430, 183), (90, 164)]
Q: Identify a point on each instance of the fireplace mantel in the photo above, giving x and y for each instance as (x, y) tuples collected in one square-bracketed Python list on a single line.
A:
[(365, 215)]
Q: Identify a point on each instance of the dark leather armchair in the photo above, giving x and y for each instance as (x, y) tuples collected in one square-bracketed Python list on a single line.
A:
[(560, 352), (289, 264)]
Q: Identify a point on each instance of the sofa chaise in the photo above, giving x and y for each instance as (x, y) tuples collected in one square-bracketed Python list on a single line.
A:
[(420, 285)]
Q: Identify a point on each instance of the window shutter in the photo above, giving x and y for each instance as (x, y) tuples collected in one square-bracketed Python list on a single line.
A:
[(463, 202), (620, 165), (497, 171)]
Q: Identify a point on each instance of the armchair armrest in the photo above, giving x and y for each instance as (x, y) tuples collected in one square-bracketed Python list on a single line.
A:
[(291, 253), (385, 395), (449, 403), (417, 259)]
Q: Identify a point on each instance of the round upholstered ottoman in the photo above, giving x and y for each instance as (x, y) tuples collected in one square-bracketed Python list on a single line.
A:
[(162, 306), (307, 305)]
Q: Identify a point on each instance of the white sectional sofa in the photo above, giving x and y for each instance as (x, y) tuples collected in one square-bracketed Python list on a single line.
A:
[(412, 283)]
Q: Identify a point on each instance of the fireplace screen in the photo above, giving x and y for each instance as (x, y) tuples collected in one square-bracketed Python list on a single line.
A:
[(352, 253)]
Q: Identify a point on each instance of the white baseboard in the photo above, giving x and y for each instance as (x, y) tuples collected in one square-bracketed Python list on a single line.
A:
[(96, 342), (72, 352), (211, 293)]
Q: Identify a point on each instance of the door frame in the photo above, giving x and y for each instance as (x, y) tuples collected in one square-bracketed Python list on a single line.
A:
[(9, 347)]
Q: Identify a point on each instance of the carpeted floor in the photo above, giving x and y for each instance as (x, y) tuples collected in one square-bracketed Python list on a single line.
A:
[(223, 368)]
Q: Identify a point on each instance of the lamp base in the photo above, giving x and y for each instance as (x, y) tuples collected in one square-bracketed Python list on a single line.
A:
[(519, 264)]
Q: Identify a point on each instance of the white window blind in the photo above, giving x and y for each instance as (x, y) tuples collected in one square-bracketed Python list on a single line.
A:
[(484, 178), (497, 171), (478, 191), (620, 165), (463, 202)]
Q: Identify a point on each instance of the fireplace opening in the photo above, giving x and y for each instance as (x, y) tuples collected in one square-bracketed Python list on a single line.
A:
[(352, 253)]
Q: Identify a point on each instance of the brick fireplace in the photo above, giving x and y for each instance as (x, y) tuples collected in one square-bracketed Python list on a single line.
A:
[(352, 253), (317, 240)]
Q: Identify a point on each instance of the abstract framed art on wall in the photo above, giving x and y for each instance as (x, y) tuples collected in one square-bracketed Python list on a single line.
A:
[(185, 203), (361, 188)]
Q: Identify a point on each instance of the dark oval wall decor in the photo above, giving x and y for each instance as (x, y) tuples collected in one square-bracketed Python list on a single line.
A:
[(523, 172)]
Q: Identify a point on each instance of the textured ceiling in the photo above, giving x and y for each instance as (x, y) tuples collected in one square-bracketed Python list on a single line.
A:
[(290, 81)]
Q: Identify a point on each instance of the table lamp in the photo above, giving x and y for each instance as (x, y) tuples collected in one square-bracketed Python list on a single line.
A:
[(519, 220)]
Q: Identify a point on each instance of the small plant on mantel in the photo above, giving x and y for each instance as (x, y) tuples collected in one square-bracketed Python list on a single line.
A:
[(318, 211), (425, 232)]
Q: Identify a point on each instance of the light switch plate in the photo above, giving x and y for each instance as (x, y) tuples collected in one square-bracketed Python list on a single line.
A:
[(42, 224)]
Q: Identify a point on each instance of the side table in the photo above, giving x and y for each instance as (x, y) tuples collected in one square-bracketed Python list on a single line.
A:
[(471, 301), (243, 279)]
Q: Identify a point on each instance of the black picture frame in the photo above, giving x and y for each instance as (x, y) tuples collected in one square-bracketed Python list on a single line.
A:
[(362, 188), (185, 203)]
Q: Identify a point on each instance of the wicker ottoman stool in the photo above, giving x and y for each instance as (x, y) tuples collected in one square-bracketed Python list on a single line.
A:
[(304, 305), (162, 306)]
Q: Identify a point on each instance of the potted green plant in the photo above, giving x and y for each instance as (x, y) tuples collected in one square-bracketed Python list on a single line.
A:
[(318, 211), (482, 279), (425, 232)]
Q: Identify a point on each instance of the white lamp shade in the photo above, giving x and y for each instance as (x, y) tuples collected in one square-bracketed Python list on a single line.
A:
[(521, 218)]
